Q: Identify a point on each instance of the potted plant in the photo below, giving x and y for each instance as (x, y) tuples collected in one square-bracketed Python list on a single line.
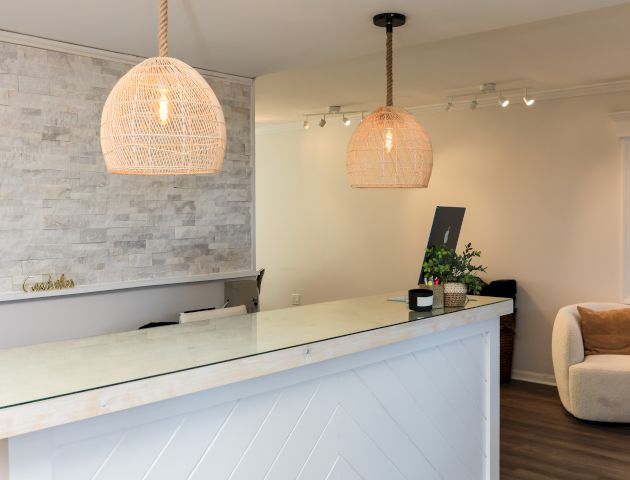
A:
[(436, 268), (455, 272)]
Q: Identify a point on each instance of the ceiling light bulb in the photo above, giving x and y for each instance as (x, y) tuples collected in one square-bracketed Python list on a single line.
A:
[(322, 122), (527, 100), (449, 106), (306, 125), (346, 121), (504, 102), (163, 107), (389, 140), (474, 104)]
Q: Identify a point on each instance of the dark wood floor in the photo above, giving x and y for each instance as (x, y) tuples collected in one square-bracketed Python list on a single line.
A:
[(541, 441)]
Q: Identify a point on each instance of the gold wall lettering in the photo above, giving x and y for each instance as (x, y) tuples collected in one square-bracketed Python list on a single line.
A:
[(60, 283)]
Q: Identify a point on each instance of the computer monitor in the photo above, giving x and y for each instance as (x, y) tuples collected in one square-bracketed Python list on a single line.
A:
[(447, 223)]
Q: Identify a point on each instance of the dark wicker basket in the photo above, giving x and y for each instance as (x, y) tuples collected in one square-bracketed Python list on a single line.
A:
[(506, 289), (508, 330)]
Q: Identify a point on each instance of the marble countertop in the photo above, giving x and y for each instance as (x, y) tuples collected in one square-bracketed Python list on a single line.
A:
[(45, 371)]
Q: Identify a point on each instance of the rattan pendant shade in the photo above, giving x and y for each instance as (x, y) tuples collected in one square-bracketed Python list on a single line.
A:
[(162, 118), (389, 148)]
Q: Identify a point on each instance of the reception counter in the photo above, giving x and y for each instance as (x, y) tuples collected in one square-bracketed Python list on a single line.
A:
[(351, 389)]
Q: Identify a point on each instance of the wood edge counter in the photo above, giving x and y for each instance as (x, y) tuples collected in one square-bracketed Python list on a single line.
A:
[(38, 415)]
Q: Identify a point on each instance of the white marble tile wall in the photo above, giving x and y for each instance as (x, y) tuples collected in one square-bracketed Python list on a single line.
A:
[(60, 212)]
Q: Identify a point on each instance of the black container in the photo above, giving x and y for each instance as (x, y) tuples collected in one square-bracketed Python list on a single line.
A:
[(420, 300)]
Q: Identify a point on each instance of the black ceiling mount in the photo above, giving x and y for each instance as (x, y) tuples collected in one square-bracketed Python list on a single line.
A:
[(389, 20)]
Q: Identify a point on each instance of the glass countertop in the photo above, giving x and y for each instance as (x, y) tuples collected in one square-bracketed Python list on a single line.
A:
[(38, 372)]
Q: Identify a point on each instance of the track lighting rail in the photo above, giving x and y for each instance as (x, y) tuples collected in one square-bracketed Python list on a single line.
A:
[(333, 111), (504, 96)]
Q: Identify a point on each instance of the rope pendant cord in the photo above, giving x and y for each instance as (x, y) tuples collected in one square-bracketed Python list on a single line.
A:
[(163, 35), (390, 79)]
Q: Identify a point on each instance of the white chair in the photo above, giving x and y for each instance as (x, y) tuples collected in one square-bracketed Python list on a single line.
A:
[(212, 314), (592, 387)]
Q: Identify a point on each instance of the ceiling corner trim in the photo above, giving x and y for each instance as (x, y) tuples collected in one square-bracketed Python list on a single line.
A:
[(621, 121), (74, 49)]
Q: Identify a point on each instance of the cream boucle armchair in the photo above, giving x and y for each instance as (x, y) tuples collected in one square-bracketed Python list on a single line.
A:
[(592, 387)]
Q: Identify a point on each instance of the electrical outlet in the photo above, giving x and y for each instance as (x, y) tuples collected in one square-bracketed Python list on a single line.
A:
[(296, 299)]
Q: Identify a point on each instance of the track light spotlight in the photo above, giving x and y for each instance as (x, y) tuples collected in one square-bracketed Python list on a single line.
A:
[(503, 101), (474, 104), (527, 100), (335, 112)]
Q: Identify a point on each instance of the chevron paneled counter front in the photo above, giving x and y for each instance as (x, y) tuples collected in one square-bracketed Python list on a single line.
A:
[(359, 389)]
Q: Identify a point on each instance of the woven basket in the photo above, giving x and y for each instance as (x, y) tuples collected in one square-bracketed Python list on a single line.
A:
[(455, 294), (162, 118), (389, 149), (508, 329)]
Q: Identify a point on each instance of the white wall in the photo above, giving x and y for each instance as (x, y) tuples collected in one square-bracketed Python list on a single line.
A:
[(542, 188)]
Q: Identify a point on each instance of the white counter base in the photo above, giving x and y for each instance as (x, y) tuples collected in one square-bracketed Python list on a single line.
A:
[(426, 407)]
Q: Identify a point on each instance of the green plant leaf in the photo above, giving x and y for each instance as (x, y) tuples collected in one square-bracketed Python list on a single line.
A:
[(445, 264)]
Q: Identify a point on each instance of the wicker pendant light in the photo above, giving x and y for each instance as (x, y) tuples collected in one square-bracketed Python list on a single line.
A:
[(389, 148), (162, 118)]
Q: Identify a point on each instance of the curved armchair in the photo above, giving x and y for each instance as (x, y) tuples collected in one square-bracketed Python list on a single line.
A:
[(595, 387)]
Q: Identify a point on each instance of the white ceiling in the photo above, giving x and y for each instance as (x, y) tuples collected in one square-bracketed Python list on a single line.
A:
[(579, 49), (251, 38)]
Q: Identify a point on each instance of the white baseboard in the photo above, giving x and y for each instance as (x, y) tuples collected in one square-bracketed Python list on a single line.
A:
[(534, 377)]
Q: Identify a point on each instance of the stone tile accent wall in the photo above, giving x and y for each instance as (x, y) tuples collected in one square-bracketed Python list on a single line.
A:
[(61, 212)]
